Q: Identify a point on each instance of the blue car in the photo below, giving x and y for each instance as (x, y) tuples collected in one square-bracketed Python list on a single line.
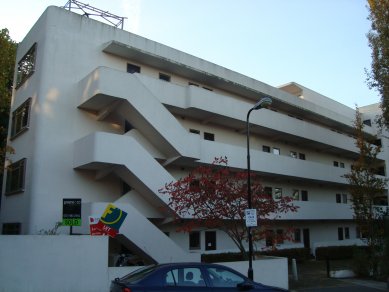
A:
[(186, 277)]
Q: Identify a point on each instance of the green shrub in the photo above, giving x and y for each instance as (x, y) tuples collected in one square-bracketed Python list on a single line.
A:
[(337, 252), (361, 262), (300, 254)]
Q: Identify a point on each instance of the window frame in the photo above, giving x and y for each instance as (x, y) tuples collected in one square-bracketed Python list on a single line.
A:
[(20, 172), (132, 68), (209, 136), (164, 77), (27, 65), (18, 119), (197, 240)]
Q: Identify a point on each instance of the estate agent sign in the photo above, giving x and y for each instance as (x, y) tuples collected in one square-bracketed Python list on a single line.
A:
[(71, 212)]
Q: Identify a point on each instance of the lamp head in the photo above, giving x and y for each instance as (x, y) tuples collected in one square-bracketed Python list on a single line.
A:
[(264, 102)]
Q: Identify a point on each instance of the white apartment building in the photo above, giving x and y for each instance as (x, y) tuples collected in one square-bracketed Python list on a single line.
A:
[(107, 116)]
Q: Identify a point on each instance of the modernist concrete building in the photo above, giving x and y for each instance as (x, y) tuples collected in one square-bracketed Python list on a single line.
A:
[(104, 115)]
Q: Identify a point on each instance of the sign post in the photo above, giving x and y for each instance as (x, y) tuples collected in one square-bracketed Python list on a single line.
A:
[(71, 213)]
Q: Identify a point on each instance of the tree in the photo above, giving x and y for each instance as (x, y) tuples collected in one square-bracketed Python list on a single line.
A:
[(365, 187), (378, 36), (7, 64), (215, 196)]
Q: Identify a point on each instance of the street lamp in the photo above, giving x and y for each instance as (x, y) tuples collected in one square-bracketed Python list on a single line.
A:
[(262, 103)]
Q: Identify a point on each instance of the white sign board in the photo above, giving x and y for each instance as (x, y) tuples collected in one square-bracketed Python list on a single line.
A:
[(251, 217)]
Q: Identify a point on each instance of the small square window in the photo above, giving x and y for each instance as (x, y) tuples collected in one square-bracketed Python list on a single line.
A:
[(131, 68), (338, 198), (266, 148), (336, 163), (164, 77), (302, 156), (276, 151), (209, 136), (194, 131), (268, 191), (293, 154), (341, 164), (277, 193)]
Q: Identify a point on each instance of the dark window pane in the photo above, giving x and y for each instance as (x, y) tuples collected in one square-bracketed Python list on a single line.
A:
[(209, 136), (26, 66), (131, 68)]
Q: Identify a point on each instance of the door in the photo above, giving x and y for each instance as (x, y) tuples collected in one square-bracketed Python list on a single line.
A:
[(307, 240)]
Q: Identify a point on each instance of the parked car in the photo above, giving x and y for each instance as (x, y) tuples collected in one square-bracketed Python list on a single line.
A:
[(186, 277)]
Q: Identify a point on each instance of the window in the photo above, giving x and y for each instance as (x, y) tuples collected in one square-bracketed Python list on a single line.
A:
[(223, 278), (346, 233), (210, 240), (304, 195), (338, 198), (266, 148), (277, 193), (209, 136), (293, 154), (367, 122), (207, 88), (341, 164), (184, 277), (336, 163), (26, 66), (21, 118), (344, 198), (340, 233), (194, 240), (164, 77), (194, 131), (268, 191), (193, 84), (15, 177), (302, 156), (296, 195), (131, 68), (11, 228), (276, 151), (297, 235)]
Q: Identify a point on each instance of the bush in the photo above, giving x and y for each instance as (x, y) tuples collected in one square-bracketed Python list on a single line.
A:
[(300, 254), (337, 252), (361, 262)]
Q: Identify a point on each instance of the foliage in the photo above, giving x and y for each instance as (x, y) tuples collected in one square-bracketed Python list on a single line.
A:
[(338, 252), (7, 64), (378, 36), (365, 186), (52, 231), (215, 196)]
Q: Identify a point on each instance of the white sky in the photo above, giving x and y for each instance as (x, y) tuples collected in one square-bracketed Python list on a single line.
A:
[(320, 44)]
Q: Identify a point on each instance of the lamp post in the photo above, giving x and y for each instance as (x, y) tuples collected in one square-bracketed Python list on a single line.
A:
[(262, 103)]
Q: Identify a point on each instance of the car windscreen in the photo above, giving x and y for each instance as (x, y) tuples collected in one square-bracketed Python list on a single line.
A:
[(138, 275)]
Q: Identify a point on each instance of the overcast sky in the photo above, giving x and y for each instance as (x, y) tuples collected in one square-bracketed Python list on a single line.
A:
[(320, 44)]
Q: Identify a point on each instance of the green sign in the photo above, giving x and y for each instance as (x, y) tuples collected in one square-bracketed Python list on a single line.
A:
[(71, 222)]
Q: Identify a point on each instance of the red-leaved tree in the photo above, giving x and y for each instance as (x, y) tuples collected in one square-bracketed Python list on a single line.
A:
[(215, 196)]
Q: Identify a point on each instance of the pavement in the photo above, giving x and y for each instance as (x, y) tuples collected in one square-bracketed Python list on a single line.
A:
[(312, 276)]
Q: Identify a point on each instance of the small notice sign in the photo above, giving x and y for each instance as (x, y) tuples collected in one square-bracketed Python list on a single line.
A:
[(71, 212), (251, 217)]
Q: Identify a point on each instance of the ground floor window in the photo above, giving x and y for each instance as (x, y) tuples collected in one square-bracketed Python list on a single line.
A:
[(194, 240), (11, 228), (210, 240), (15, 177)]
